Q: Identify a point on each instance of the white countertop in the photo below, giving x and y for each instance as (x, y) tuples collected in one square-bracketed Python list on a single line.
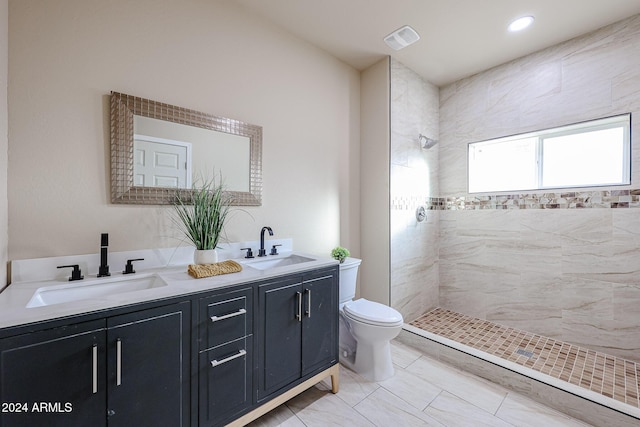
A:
[(13, 300)]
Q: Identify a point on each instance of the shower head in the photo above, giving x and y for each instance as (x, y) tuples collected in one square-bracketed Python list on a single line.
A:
[(426, 143)]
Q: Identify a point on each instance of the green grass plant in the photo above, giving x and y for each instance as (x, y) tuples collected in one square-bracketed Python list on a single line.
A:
[(201, 213)]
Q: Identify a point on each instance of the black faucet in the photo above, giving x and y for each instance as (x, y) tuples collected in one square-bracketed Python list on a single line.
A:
[(262, 252), (104, 267)]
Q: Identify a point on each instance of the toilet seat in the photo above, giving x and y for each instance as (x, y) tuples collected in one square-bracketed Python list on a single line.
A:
[(372, 313)]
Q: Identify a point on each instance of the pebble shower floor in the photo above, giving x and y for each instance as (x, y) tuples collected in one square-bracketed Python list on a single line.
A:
[(610, 376)]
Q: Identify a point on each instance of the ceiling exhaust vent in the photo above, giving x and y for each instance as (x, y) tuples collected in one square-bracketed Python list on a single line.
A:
[(401, 38)]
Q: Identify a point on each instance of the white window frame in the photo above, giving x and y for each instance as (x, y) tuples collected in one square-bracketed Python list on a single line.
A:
[(621, 121)]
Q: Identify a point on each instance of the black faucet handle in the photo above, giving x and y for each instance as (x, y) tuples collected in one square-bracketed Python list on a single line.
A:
[(128, 269), (274, 250), (76, 274), (249, 252)]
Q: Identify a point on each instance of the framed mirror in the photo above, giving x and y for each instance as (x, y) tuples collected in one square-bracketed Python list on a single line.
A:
[(157, 148)]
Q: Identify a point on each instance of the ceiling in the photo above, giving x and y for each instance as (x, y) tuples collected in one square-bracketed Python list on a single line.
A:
[(458, 37)]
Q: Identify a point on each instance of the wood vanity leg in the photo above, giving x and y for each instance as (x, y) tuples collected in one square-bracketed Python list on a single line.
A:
[(335, 378)]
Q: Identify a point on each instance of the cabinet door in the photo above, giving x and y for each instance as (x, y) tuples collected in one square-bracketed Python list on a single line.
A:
[(148, 367), (279, 335), (320, 323), (225, 382), (54, 377)]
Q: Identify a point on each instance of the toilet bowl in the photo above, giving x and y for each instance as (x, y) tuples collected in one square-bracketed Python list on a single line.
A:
[(366, 327), (372, 325)]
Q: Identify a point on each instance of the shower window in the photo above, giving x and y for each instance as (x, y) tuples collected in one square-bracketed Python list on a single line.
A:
[(594, 153)]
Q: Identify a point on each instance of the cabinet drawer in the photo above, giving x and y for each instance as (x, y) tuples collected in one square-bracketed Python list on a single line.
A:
[(225, 382), (225, 317)]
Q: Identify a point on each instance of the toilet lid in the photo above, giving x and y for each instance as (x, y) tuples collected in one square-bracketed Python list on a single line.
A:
[(372, 313)]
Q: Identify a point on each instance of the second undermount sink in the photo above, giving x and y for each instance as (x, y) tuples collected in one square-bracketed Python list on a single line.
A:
[(94, 288), (268, 263)]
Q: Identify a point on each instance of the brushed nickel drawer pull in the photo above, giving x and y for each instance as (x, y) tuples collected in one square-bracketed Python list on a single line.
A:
[(226, 316), (94, 369), (215, 363), (299, 314), (119, 362), (308, 312)]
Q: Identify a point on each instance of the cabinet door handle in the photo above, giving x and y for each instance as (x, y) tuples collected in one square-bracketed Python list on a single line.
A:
[(308, 312), (119, 362), (299, 314), (215, 362), (94, 369), (226, 316)]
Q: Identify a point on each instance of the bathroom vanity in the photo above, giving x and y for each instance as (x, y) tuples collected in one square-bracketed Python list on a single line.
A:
[(207, 352)]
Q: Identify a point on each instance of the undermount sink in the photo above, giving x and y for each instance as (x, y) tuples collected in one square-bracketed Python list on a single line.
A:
[(268, 263), (93, 288)]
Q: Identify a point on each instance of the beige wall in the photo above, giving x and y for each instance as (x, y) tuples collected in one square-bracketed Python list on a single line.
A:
[(4, 237), (571, 274), (374, 183), (66, 56)]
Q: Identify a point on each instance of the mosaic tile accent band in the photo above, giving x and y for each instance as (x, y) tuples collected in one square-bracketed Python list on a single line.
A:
[(607, 199), (610, 376)]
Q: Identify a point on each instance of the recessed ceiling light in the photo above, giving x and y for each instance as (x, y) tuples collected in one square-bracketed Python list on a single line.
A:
[(401, 38), (521, 23)]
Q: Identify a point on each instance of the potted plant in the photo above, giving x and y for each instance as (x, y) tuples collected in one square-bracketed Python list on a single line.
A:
[(340, 253), (201, 214)]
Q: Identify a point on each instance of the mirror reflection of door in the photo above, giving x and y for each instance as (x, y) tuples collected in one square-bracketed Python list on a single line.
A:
[(160, 162)]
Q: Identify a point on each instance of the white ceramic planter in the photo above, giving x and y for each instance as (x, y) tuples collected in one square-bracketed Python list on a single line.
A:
[(207, 256)]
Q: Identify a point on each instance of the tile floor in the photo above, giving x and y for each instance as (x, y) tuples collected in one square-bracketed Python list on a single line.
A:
[(608, 375), (423, 392)]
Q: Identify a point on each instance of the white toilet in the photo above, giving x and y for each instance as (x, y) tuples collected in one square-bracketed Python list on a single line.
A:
[(366, 327)]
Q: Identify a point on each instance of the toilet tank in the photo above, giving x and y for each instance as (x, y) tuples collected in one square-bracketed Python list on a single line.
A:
[(348, 278)]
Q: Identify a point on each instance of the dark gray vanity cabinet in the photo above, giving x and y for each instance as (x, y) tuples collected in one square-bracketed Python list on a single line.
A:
[(148, 367), (320, 324), (225, 341), (208, 358), (54, 377), (125, 370), (297, 329)]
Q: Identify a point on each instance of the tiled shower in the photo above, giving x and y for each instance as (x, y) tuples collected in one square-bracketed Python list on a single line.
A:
[(562, 264)]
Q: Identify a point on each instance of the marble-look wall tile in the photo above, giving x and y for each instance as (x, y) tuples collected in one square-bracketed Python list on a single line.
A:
[(413, 180), (564, 264), (573, 81), (567, 274), (625, 224), (607, 262), (625, 90), (567, 227)]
